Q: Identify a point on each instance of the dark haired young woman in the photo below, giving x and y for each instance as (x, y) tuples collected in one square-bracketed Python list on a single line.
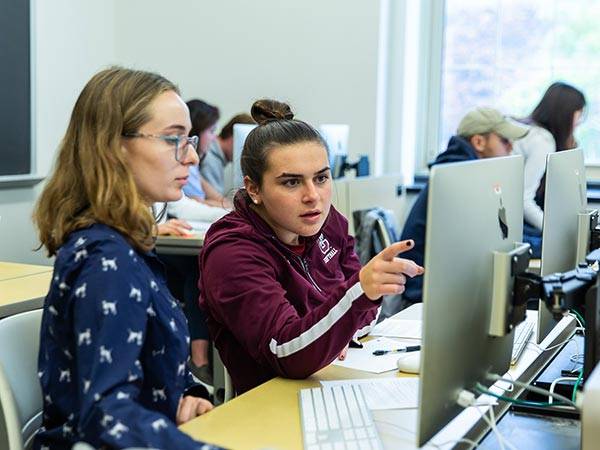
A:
[(280, 282), (553, 122)]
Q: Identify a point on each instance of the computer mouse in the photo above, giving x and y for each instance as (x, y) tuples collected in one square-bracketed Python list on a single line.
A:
[(410, 363)]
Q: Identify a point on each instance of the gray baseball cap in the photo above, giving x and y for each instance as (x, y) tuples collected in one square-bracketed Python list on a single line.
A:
[(489, 120)]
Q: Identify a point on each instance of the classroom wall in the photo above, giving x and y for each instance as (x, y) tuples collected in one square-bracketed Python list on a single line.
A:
[(72, 40), (319, 56)]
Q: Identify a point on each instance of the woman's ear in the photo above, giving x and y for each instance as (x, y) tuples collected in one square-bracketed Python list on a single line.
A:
[(252, 189)]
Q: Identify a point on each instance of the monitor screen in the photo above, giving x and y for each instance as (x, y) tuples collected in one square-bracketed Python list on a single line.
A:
[(564, 198), (336, 138), (240, 133), (474, 208)]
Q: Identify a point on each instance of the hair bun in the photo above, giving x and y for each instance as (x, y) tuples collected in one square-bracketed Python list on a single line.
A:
[(266, 110)]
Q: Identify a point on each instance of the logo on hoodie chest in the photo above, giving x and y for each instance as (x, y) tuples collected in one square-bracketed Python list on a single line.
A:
[(327, 250)]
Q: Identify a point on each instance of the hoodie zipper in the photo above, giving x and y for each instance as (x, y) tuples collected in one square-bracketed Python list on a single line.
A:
[(304, 264)]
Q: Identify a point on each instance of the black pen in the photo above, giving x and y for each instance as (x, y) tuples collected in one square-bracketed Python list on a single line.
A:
[(355, 344), (410, 348)]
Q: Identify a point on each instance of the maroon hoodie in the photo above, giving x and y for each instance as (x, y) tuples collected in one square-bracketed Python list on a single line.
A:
[(274, 313)]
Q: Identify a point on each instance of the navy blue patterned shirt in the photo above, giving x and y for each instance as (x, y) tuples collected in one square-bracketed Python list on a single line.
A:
[(113, 348)]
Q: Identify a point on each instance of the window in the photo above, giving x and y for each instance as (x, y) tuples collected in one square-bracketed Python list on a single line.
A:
[(505, 53)]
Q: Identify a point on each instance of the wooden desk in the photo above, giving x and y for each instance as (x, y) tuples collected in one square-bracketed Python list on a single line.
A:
[(268, 416), (23, 293), (175, 245), (9, 270)]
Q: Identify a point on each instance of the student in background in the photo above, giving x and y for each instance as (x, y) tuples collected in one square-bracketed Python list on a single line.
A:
[(280, 282), (204, 121), (114, 342), (182, 274), (220, 153), (552, 124), (482, 133)]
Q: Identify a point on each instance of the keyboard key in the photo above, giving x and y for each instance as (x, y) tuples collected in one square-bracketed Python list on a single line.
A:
[(320, 413), (308, 413), (355, 415), (330, 405), (340, 402), (349, 435), (337, 418)]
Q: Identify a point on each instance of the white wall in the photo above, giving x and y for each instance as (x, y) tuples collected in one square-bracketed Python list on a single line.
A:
[(320, 56), (72, 40)]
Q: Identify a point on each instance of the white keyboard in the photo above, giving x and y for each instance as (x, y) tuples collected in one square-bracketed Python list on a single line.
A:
[(522, 334), (337, 418)]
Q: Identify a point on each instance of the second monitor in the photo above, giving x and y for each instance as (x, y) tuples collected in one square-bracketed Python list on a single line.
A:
[(565, 197), (474, 208)]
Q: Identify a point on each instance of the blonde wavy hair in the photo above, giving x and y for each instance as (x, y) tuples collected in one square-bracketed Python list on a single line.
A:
[(91, 181)]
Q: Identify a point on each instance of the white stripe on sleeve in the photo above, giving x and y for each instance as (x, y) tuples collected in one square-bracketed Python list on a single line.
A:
[(319, 328)]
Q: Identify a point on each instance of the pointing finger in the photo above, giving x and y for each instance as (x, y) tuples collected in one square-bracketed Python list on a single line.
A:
[(391, 251)]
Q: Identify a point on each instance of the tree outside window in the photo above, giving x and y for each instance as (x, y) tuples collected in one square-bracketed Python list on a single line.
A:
[(505, 53)]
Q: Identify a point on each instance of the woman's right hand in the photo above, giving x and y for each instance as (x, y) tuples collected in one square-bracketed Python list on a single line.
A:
[(385, 273), (190, 407), (174, 227)]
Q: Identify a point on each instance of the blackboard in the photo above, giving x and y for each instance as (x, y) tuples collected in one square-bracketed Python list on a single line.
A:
[(15, 88)]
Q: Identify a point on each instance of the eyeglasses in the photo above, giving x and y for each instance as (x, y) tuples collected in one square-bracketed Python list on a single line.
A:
[(181, 143)]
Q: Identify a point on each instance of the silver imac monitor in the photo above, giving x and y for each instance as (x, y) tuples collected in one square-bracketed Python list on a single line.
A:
[(474, 208), (336, 137), (564, 198), (240, 133)]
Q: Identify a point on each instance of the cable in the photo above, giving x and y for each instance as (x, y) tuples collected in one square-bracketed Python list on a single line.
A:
[(577, 383), (472, 444), (467, 399), (560, 344), (544, 392), (492, 423), (553, 385), (579, 318), (511, 384), (481, 389), (577, 358)]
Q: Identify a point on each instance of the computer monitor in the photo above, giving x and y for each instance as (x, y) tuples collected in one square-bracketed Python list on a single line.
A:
[(474, 208), (336, 138), (564, 198), (240, 133)]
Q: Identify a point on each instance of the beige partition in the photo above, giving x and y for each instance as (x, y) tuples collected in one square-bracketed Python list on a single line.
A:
[(370, 192)]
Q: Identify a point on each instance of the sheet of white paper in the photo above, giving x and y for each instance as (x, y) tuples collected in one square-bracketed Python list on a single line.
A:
[(363, 358), (385, 393), (199, 227), (400, 328)]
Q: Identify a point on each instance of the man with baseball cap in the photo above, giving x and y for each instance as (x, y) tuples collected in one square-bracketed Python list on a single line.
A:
[(482, 133)]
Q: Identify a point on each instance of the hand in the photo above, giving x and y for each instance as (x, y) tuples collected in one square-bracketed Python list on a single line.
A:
[(342, 355), (174, 227), (190, 407), (386, 274)]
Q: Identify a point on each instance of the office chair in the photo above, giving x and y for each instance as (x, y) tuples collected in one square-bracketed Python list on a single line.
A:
[(223, 387), (20, 393), (376, 229)]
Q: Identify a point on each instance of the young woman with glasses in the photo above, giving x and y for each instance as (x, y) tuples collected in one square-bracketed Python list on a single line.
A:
[(114, 342)]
